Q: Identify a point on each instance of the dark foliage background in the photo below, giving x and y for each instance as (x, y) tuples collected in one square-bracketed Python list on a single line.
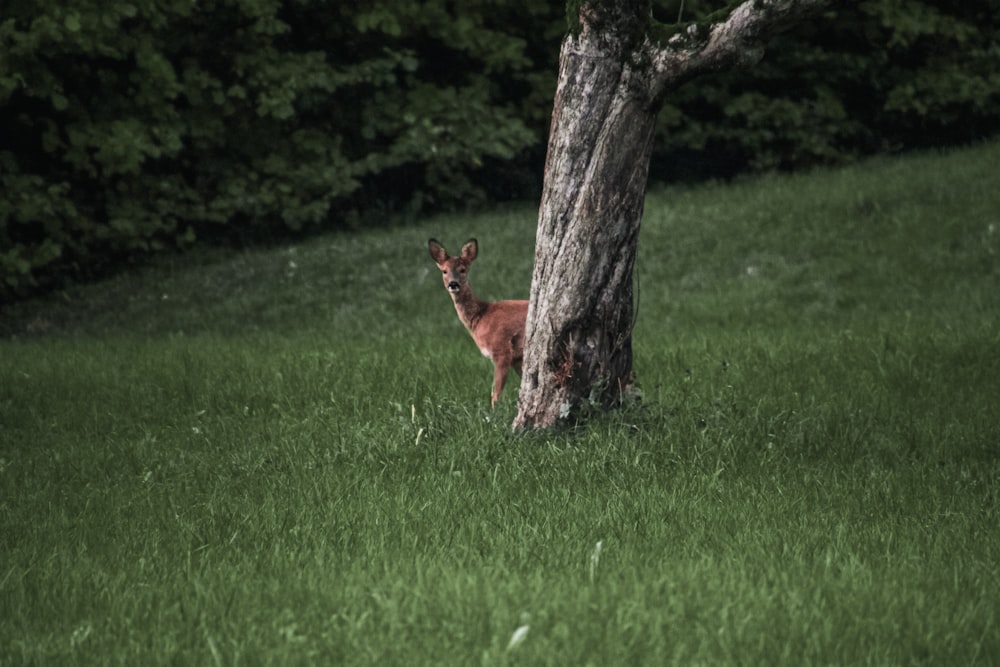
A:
[(138, 126)]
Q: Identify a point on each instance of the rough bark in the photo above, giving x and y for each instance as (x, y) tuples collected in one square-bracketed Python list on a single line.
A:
[(613, 76)]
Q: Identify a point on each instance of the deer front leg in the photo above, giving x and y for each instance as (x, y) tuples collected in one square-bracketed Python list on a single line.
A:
[(499, 379)]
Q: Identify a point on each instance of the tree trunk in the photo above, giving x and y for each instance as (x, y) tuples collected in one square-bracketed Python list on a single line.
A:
[(580, 319), (612, 80)]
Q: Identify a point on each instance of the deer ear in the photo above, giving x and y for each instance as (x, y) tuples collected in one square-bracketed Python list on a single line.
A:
[(438, 253), (470, 249)]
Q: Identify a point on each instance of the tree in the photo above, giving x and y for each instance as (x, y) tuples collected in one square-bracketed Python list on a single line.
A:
[(616, 66)]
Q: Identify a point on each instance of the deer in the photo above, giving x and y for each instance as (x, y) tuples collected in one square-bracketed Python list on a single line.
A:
[(497, 327)]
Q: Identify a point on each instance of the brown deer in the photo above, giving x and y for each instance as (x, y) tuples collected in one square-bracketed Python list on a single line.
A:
[(496, 326)]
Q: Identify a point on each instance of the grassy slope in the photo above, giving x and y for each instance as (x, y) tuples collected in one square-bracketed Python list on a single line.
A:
[(288, 456)]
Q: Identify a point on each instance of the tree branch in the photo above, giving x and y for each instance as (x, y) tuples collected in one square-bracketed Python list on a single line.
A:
[(736, 42)]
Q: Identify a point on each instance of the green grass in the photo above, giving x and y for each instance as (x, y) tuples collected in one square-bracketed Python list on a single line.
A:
[(288, 457)]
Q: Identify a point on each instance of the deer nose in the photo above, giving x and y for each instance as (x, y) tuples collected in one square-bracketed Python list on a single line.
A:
[(453, 286)]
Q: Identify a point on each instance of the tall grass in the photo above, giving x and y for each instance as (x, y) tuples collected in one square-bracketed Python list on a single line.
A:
[(287, 456)]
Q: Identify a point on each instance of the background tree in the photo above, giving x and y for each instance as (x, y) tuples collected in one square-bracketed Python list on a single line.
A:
[(136, 126), (874, 76), (616, 66)]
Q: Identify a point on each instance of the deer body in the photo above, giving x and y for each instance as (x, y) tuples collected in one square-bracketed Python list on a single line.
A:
[(497, 327)]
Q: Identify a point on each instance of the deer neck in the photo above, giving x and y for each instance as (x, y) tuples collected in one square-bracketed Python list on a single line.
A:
[(470, 309)]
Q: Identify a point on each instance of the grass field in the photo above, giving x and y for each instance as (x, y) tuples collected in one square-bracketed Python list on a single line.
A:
[(287, 456)]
